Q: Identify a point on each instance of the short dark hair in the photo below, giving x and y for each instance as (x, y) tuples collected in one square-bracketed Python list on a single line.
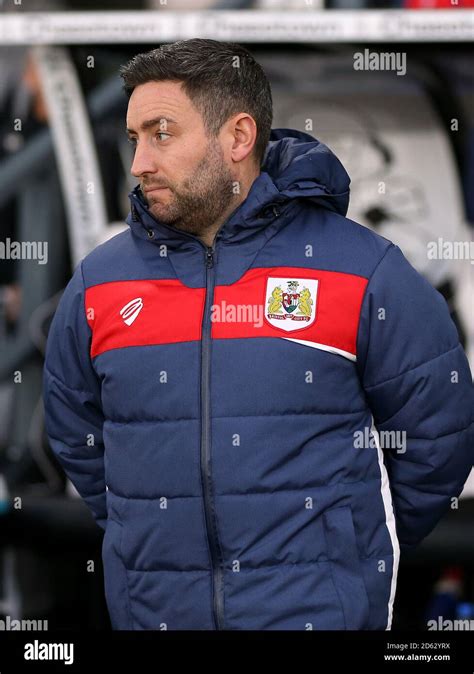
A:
[(220, 78)]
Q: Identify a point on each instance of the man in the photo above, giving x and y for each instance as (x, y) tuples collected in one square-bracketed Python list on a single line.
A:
[(259, 399)]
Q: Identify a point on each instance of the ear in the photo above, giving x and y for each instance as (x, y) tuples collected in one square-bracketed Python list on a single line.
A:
[(243, 130)]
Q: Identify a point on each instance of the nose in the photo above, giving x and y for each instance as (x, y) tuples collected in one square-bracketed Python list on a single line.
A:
[(144, 160)]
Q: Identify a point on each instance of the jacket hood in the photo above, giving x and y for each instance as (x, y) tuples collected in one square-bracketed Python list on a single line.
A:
[(303, 167), (295, 166)]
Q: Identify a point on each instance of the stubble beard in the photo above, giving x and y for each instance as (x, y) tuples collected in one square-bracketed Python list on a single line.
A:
[(201, 200)]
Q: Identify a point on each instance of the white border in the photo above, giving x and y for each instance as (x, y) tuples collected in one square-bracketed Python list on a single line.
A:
[(323, 347), (390, 522)]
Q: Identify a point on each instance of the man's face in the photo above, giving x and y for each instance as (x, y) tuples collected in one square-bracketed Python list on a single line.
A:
[(183, 174)]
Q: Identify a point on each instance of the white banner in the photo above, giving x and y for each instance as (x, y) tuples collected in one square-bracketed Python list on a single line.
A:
[(75, 150), (315, 26)]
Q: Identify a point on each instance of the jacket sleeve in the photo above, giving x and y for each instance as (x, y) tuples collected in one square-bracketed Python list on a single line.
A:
[(417, 381), (71, 396)]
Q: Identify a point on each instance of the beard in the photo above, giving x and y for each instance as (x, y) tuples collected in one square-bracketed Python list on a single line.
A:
[(200, 200)]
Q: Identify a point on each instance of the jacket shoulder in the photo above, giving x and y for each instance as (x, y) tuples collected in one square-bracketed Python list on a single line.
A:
[(109, 260), (347, 244)]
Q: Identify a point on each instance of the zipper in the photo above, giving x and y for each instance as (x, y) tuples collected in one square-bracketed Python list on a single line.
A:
[(206, 478), (209, 505)]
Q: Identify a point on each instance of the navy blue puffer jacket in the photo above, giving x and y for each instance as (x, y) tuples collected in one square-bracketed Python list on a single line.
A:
[(259, 425)]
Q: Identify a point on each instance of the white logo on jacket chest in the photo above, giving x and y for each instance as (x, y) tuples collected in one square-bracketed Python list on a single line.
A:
[(291, 302), (131, 310)]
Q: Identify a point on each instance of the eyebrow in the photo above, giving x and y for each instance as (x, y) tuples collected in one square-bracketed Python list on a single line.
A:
[(147, 124)]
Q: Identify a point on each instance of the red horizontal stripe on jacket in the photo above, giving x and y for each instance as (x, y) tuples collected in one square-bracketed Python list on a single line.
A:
[(169, 312), (337, 306)]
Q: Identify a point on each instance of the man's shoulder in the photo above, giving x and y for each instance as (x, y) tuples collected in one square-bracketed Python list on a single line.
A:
[(343, 240), (104, 261)]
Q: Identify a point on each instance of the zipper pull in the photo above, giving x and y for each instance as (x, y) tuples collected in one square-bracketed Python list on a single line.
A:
[(209, 257)]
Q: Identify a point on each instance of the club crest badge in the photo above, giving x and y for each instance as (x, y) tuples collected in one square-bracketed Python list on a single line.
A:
[(291, 303)]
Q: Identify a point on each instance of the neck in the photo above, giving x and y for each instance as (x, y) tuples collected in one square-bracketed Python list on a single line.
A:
[(245, 185)]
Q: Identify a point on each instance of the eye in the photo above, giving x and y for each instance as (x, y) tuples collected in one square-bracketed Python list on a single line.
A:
[(132, 141), (163, 133)]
